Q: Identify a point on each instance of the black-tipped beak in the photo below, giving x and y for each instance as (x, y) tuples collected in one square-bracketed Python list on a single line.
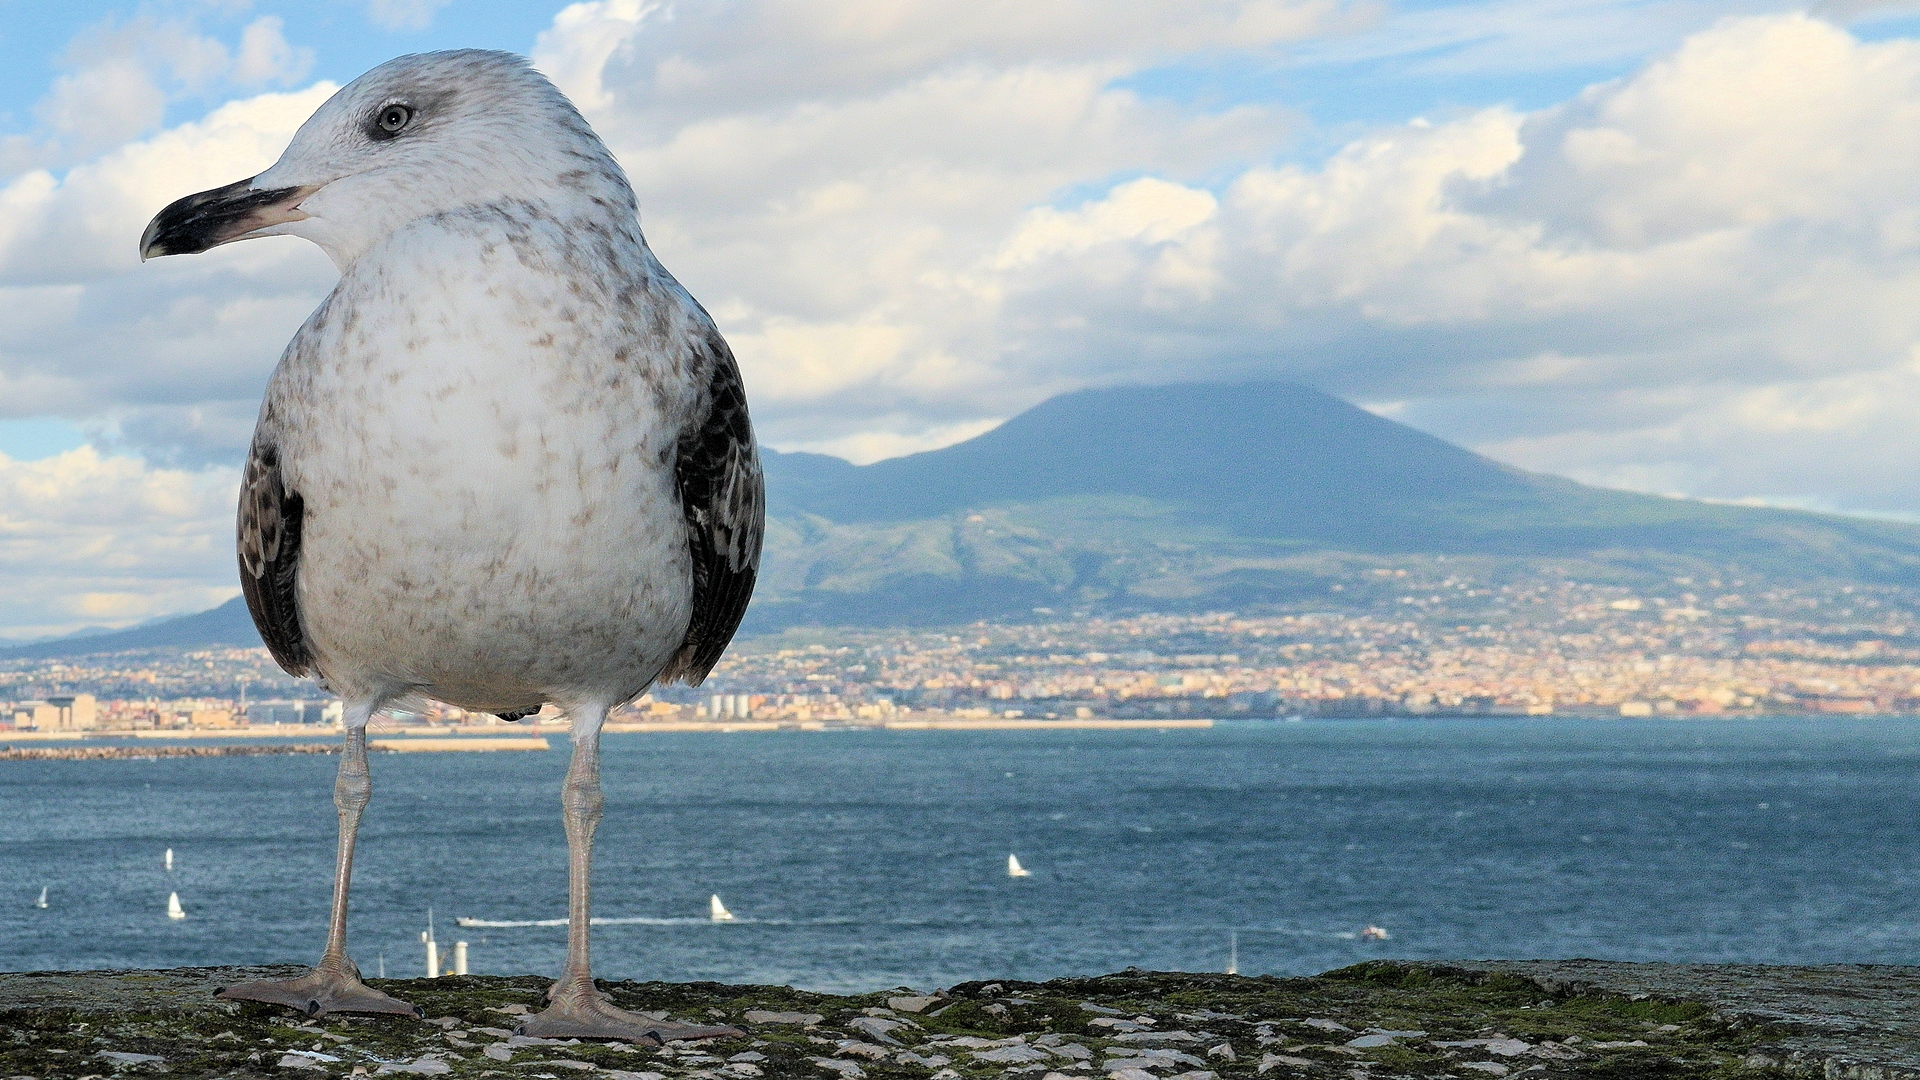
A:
[(211, 218)]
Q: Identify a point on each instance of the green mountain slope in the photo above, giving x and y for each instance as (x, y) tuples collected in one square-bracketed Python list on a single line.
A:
[(1215, 495)]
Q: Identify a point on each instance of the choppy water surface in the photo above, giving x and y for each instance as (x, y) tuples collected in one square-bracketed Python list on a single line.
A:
[(860, 860)]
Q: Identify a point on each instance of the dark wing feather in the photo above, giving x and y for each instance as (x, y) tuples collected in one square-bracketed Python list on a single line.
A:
[(269, 543), (722, 494)]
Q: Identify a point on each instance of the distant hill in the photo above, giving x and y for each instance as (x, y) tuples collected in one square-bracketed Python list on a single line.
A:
[(1225, 496), (228, 624), (1202, 496)]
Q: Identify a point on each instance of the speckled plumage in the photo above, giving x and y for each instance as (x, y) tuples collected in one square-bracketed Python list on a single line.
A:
[(484, 426), (507, 461)]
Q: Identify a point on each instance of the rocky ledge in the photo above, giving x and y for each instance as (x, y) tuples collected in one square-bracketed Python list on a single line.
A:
[(1371, 1022)]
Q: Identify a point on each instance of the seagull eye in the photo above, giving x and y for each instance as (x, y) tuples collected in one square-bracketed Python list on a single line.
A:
[(393, 118)]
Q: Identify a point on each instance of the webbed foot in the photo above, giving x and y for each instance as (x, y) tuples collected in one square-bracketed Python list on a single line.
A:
[(323, 990), (585, 1013)]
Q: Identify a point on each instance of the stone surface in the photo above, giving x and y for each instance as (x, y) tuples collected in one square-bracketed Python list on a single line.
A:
[(1537, 1019), (1835, 1019)]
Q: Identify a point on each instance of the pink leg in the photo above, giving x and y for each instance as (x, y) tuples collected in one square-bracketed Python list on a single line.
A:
[(578, 1009), (334, 984)]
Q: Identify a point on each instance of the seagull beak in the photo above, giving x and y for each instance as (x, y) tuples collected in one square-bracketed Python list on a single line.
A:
[(211, 218)]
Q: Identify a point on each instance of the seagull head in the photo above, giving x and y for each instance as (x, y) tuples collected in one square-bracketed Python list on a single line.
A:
[(417, 136)]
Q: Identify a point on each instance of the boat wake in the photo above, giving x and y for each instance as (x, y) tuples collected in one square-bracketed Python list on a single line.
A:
[(638, 920)]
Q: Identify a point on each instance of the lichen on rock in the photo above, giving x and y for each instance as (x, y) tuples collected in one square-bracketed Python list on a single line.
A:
[(1375, 1020)]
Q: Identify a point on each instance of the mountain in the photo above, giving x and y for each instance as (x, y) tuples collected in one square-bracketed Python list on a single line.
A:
[(1200, 497), (228, 624), (1224, 496)]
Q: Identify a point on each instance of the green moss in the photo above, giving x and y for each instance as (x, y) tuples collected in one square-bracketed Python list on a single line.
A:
[(1254, 1016)]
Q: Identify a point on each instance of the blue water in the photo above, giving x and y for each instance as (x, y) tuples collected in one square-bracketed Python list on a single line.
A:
[(862, 860)]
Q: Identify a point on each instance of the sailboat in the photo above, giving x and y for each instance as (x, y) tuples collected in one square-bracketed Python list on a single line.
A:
[(1014, 869), (1374, 933), (42, 902), (169, 860), (1233, 953), (174, 910), (718, 911)]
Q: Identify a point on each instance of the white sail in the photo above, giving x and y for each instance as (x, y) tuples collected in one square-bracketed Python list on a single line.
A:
[(42, 902), (1233, 954), (169, 859), (718, 911), (174, 910), (1014, 869)]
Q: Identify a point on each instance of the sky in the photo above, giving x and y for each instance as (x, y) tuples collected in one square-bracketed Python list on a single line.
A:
[(1664, 245)]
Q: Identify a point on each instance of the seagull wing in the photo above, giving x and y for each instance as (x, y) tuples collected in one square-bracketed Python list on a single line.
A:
[(269, 543), (725, 501)]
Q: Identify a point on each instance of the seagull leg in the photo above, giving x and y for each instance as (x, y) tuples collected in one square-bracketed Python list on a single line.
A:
[(577, 1008), (334, 984)]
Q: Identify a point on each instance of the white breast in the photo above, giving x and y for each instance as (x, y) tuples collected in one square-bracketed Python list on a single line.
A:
[(482, 423)]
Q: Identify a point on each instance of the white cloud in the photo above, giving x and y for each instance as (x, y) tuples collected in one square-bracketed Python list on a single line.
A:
[(915, 219), (265, 56), (87, 540), (121, 75)]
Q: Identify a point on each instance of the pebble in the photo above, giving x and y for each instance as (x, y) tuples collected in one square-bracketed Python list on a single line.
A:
[(1268, 1061), (748, 1055), (1224, 1052), (1502, 1047), (622, 1074), (1131, 1074), (121, 1057), (911, 1004), (1009, 1055), (847, 1069), (517, 1041), (563, 1063), (497, 1051), (498, 1033), (1326, 1025), (1492, 1067), (862, 1049), (878, 1027), (425, 1066), (300, 1061), (1368, 1042), (762, 1016), (931, 1061)]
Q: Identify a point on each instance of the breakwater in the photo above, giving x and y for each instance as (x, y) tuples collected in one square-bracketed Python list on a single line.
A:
[(150, 753)]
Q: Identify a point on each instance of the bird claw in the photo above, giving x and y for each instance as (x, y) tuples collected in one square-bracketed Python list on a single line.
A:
[(319, 992), (586, 1014)]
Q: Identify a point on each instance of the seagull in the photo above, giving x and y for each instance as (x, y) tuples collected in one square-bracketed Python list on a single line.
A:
[(507, 462)]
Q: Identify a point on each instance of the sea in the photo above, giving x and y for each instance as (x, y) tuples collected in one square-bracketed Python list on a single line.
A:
[(862, 860)]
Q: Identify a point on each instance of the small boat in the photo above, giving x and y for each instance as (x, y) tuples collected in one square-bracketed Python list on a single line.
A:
[(1374, 933), (717, 911), (174, 910), (1233, 953), (42, 902), (1014, 869), (169, 860)]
